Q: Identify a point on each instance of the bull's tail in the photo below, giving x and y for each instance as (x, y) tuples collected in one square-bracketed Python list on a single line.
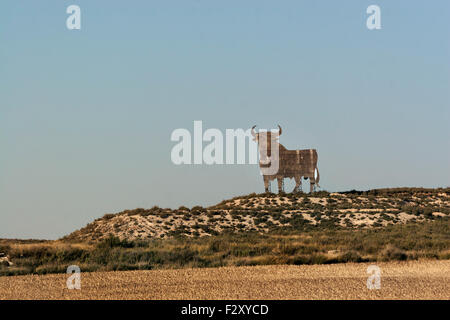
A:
[(317, 178), (316, 170)]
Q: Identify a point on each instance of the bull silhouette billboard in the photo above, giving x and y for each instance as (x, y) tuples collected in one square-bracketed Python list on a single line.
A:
[(277, 162)]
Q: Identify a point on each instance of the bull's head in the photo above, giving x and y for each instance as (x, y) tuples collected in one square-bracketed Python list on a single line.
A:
[(268, 147)]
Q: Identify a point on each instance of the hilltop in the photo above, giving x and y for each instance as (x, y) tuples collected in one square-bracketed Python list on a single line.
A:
[(275, 213)]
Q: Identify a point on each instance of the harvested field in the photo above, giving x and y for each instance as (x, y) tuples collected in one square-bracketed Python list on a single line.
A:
[(399, 280)]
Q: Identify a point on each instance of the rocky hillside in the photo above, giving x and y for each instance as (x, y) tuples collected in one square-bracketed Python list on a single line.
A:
[(275, 213)]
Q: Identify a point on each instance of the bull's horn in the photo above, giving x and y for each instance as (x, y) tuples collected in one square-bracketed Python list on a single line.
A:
[(280, 131), (253, 131)]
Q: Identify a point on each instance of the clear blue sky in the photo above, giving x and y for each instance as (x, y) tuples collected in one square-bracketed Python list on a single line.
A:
[(86, 116)]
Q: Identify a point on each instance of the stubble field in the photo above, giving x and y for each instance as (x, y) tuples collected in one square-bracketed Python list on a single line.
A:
[(399, 280)]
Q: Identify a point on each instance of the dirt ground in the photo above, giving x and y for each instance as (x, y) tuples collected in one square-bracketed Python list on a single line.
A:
[(399, 280)]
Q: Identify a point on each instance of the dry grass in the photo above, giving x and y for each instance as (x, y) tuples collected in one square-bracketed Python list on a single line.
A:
[(399, 280), (411, 241)]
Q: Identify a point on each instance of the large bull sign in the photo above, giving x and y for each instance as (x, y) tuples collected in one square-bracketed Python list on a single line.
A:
[(277, 162)]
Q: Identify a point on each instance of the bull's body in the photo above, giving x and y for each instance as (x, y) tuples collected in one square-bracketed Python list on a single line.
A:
[(293, 164)]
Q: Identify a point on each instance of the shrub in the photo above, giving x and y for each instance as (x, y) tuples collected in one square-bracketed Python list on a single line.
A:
[(393, 253), (113, 241), (350, 256)]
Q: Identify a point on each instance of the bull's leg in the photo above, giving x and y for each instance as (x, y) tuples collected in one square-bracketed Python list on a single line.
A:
[(298, 184), (280, 184), (266, 183), (312, 184)]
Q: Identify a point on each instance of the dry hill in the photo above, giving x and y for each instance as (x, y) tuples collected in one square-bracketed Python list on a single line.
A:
[(265, 212)]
